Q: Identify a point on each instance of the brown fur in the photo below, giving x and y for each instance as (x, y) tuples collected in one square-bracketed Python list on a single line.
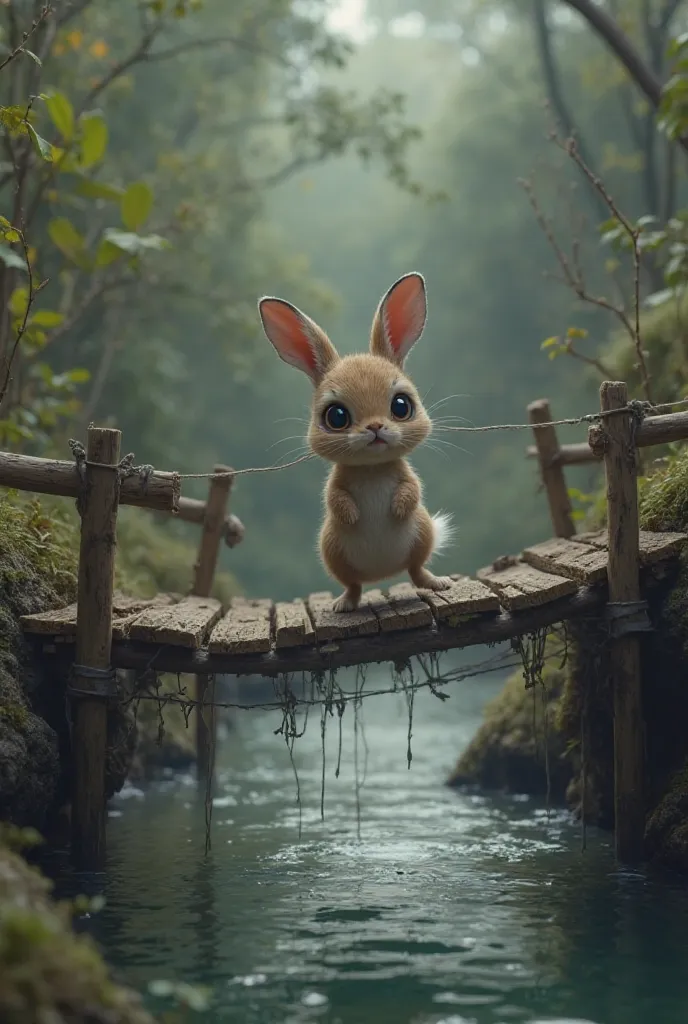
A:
[(376, 524)]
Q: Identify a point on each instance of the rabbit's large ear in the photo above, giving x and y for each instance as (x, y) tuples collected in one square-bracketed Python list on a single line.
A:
[(400, 319), (298, 339)]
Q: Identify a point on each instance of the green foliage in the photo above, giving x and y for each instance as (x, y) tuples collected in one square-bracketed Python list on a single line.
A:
[(47, 972), (663, 496)]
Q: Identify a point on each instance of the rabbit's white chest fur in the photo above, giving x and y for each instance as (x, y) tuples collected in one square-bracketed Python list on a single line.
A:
[(379, 544)]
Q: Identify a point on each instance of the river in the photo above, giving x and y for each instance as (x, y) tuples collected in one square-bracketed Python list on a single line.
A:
[(450, 908)]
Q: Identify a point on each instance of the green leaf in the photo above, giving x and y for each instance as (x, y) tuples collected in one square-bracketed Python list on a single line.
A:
[(576, 332), (11, 258), (19, 301), (68, 240), (98, 190), (94, 139), (47, 318), (33, 56), (137, 203), (79, 376), (659, 298), (107, 253), (132, 243), (61, 114), (549, 342), (43, 148)]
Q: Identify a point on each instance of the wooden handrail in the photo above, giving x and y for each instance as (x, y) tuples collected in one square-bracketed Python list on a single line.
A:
[(654, 430), (159, 491)]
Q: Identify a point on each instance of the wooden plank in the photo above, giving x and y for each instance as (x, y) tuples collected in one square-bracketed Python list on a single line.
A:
[(293, 626), (390, 617), (654, 546), (62, 621), (405, 600), (245, 629), (123, 619), (331, 625), (568, 558), (466, 596), (182, 625), (522, 586)]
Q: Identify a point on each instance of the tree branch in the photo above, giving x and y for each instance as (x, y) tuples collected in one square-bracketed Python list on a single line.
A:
[(552, 79), (621, 45), (199, 44), (37, 22)]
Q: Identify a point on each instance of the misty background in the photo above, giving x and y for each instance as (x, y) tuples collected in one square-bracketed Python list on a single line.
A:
[(317, 151)]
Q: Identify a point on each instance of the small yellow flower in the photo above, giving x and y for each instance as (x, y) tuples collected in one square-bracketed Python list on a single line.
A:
[(99, 49), (75, 39)]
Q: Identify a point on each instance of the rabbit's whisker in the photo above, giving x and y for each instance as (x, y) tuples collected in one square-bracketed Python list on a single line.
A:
[(283, 440), (442, 401)]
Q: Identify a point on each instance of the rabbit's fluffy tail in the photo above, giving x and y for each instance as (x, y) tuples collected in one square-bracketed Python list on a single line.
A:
[(443, 529)]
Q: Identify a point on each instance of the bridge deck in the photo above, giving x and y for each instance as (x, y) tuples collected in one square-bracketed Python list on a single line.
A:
[(547, 583)]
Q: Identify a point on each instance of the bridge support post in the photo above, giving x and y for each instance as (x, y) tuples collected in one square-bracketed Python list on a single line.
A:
[(92, 676), (552, 472), (627, 616), (204, 573)]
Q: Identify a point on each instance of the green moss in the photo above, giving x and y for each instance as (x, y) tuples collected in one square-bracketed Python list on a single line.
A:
[(665, 340), (37, 548), (47, 972), (14, 713), (667, 828), (517, 741), (663, 496)]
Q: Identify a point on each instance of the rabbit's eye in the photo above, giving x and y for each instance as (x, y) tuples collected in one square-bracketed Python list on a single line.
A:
[(336, 417), (402, 407)]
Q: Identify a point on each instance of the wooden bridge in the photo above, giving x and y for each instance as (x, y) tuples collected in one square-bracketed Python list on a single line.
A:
[(563, 578), (548, 583)]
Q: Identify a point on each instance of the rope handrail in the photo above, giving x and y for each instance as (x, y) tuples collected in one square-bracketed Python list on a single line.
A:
[(639, 409)]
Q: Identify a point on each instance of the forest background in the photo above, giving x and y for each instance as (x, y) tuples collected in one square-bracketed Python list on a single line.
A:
[(166, 165)]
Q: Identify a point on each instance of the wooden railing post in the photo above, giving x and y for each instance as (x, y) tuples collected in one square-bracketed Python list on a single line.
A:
[(627, 617), (547, 445), (92, 677), (204, 572)]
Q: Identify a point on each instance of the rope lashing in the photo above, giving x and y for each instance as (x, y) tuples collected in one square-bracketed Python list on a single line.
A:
[(103, 680), (624, 617)]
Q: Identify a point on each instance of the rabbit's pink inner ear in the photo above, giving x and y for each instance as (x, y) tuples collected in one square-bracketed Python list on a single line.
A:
[(288, 332), (404, 311)]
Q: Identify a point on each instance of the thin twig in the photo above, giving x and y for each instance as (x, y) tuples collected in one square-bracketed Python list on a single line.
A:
[(37, 22), (633, 233), (21, 330)]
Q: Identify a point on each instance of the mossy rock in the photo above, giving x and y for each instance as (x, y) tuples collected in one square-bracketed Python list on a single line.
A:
[(666, 836), (37, 571), (47, 972), (520, 742)]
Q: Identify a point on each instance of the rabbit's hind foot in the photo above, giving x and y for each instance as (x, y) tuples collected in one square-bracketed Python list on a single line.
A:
[(425, 580), (349, 600)]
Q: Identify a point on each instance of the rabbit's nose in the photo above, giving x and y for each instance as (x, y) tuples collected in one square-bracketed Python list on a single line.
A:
[(375, 426)]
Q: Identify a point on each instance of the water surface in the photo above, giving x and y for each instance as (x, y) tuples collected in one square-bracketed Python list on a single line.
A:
[(452, 908)]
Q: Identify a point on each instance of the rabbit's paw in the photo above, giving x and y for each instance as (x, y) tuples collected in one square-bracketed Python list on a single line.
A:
[(348, 602), (439, 583), (405, 500), (425, 580), (344, 508)]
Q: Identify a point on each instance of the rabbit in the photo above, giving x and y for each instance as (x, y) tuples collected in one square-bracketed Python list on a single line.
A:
[(366, 418)]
